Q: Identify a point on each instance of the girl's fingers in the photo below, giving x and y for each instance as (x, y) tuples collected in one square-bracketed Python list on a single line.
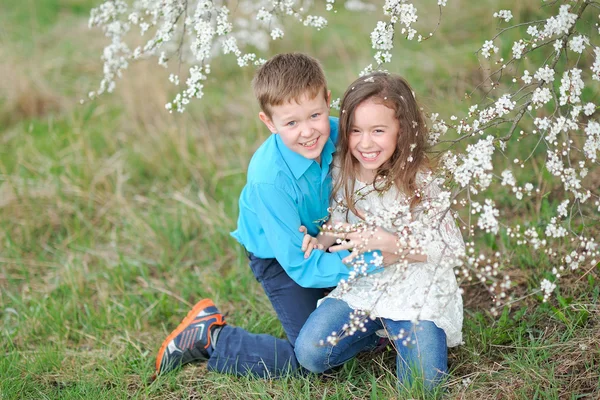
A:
[(350, 257), (342, 246)]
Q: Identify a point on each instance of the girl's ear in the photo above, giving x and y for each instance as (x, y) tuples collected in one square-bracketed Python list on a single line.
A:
[(267, 121)]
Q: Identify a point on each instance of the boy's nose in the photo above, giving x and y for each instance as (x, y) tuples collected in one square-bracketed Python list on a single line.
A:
[(307, 131)]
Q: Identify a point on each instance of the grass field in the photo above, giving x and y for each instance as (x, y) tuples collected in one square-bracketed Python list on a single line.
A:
[(115, 219)]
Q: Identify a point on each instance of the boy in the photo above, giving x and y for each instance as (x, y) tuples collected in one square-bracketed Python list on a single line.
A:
[(288, 186)]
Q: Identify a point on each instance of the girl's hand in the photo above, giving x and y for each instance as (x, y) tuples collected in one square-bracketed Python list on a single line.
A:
[(309, 243), (378, 239)]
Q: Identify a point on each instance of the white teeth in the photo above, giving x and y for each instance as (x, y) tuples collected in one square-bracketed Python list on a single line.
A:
[(369, 155), (308, 144)]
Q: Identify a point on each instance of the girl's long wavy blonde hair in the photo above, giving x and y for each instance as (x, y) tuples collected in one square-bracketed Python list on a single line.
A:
[(400, 170)]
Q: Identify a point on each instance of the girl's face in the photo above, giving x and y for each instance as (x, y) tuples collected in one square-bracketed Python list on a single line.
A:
[(373, 137)]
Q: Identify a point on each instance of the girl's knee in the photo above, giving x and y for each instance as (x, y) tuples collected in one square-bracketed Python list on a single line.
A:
[(311, 354)]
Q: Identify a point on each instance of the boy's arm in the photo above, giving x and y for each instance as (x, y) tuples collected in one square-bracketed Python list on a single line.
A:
[(280, 220)]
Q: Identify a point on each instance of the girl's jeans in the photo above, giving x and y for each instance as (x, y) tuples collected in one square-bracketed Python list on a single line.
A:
[(422, 350)]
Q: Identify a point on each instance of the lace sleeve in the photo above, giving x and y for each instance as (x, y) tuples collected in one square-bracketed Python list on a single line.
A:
[(444, 242)]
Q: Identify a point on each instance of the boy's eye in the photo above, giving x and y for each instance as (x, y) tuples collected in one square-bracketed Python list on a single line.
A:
[(291, 123), (315, 115)]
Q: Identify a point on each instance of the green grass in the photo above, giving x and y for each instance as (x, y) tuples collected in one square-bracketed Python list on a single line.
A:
[(115, 219)]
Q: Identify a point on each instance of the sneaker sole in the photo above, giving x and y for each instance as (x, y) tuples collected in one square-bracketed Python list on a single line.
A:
[(202, 304)]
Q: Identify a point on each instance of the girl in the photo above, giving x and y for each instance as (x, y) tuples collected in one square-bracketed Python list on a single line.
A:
[(380, 170)]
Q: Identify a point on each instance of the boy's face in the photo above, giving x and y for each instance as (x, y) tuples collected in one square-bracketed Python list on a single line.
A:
[(303, 125)]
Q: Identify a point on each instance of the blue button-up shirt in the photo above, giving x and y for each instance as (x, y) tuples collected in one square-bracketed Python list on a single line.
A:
[(285, 190)]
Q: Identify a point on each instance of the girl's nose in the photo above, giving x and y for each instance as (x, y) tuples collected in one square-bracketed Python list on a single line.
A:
[(365, 141)]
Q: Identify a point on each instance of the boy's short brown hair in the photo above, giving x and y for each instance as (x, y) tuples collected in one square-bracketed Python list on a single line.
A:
[(287, 77)]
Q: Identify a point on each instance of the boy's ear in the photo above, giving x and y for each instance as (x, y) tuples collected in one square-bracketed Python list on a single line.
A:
[(329, 98), (267, 121)]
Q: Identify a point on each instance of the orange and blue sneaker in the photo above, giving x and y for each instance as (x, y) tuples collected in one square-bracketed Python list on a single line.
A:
[(191, 341)]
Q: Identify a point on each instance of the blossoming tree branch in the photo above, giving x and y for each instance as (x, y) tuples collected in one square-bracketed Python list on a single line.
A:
[(538, 97)]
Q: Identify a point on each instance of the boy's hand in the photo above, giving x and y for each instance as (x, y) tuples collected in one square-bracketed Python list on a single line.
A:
[(309, 243)]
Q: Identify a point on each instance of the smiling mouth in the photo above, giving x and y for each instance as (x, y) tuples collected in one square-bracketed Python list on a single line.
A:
[(311, 143), (369, 156)]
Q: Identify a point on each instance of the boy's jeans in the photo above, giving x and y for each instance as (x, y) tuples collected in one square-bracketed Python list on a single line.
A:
[(243, 353), (424, 348)]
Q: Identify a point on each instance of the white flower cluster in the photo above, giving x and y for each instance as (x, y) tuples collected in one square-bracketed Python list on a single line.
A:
[(194, 32), (488, 220), (547, 288), (592, 141), (596, 65), (438, 129), (559, 24), (571, 86), (518, 48), (315, 21), (578, 43), (562, 208), (506, 15), (545, 74), (487, 48), (555, 231), (541, 96), (533, 238), (476, 164), (508, 179)]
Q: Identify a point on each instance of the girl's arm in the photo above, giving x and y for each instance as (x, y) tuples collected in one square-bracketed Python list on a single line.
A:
[(382, 240)]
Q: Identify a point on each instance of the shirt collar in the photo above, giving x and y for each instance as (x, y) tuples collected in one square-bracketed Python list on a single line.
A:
[(296, 163)]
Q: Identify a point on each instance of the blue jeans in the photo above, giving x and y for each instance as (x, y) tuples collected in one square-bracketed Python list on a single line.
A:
[(422, 350), (240, 352)]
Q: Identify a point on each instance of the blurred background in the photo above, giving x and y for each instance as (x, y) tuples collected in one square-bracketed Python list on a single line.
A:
[(115, 217)]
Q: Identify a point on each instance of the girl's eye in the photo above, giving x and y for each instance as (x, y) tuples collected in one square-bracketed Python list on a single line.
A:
[(379, 131), (354, 131)]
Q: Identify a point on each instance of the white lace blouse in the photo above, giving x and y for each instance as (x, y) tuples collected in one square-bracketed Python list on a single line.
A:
[(417, 291)]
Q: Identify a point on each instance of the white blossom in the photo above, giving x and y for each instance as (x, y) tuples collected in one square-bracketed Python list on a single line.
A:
[(571, 86), (592, 141), (476, 164), (276, 33), (547, 288), (559, 24), (508, 178), (578, 43), (506, 15), (562, 208), (596, 65), (589, 109), (541, 96), (488, 47), (518, 48), (544, 74), (555, 231), (488, 221)]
